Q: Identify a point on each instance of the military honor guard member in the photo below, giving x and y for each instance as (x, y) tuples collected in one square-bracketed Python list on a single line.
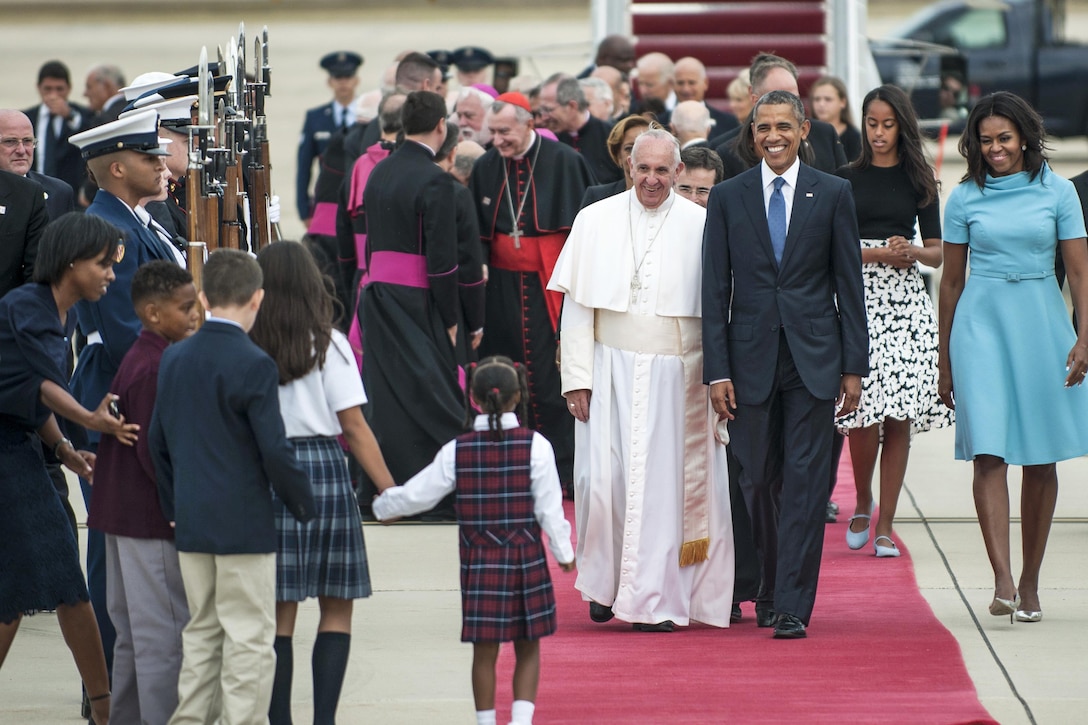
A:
[(126, 159), (322, 122)]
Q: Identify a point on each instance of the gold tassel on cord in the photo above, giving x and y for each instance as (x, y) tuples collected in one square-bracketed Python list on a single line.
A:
[(694, 552)]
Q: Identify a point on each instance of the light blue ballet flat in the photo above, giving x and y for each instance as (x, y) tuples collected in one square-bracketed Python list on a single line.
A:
[(857, 539), (883, 552)]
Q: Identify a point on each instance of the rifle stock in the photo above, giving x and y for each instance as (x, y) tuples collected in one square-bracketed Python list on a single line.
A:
[(194, 260)]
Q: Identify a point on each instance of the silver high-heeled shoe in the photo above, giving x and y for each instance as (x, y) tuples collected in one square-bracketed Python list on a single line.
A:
[(1022, 616), (1000, 607)]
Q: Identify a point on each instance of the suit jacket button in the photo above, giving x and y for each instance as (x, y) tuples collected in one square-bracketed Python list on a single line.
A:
[(774, 328)]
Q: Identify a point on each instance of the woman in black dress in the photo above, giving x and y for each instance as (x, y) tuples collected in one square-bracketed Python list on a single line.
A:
[(893, 186), (39, 561)]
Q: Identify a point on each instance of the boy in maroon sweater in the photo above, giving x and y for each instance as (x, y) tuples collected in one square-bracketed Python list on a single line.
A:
[(144, 592)]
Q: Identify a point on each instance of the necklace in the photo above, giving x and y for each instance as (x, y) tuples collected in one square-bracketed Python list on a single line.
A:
[(636, 280), (516, 222)]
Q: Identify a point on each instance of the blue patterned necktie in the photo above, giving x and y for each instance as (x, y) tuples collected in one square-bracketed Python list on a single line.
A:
[(776, 219)]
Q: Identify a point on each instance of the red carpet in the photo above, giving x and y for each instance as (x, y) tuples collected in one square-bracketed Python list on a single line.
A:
[(875, 654)]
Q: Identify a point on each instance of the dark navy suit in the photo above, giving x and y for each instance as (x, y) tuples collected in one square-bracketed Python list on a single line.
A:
[(785, 334), (65, 163), (317, 130), (113, 316), (59, 199), (22, 218), (217, 440)]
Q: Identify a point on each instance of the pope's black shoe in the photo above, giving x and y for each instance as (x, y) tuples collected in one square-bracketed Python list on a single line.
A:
[(666, 626), (764, 614), (788, 626), (599, 613)]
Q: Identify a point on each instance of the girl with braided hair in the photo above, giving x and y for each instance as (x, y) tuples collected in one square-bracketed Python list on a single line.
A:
[(506, 491)]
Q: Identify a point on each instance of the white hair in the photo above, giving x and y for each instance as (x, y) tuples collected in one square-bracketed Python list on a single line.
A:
[(657, 134), (600, 88)]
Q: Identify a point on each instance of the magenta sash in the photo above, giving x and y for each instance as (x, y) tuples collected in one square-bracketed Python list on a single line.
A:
[(407, 270), (324, 220)]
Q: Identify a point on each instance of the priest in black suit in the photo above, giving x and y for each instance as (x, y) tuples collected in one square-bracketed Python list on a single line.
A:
[(528, 191), (565, 111)]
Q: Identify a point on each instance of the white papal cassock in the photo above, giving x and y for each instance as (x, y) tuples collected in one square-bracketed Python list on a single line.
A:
[(650, 481)]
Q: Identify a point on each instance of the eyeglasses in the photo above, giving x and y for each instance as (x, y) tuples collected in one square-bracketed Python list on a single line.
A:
[(696, 190), (13, 143)]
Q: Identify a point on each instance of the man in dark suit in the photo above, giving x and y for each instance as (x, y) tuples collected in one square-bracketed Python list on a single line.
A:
[(325, 120), (55, 121), (17, 156), (773, 73), (1080, 183), (784, 336), (22, 219), (565, 111), (104, 94), (691, 84), (614, 51), (655, 83), (690, 123)]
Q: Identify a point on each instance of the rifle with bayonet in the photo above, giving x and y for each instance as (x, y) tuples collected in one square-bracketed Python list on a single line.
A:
[(258, 161), (203, 189)]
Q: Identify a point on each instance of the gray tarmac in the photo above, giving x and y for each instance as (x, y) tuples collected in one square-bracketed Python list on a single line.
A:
[(407, 665)]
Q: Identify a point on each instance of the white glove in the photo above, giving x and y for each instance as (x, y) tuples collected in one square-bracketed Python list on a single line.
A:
[(274, 209)]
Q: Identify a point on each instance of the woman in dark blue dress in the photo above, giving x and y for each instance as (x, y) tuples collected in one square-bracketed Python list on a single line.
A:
[(39, 561)]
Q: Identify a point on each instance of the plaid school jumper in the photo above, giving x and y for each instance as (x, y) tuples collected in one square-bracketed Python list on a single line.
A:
[(506, 591)]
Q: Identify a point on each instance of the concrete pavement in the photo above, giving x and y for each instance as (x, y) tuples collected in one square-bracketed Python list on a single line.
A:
[(408, 667)]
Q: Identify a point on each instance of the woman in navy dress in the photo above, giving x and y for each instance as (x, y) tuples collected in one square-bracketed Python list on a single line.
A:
[(1010, 362), (39, 562)]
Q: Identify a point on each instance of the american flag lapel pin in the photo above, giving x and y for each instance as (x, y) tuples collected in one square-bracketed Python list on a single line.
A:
[(808, 194), (486, 201), (3, 210)]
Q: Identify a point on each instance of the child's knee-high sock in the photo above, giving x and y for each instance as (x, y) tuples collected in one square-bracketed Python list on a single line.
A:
[(330, 661), (279, 712), (485, 717), (522, 712)]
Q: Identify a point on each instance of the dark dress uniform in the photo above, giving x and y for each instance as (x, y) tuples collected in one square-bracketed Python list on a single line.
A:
[(317, 131)]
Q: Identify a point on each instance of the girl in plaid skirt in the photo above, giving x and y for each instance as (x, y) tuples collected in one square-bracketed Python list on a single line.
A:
[(320, 397), (507, 491)]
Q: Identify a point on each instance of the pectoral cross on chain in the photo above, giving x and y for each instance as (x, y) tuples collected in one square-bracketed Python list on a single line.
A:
[(517, 237), (636, 286)]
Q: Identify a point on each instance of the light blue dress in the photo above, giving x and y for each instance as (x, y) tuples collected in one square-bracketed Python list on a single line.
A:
[(1012, 333)]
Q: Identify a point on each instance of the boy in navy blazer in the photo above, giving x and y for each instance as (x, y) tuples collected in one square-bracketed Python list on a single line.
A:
[(218, 441)]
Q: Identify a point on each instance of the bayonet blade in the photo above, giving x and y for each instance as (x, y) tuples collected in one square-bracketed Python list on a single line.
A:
[(203, 90)]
